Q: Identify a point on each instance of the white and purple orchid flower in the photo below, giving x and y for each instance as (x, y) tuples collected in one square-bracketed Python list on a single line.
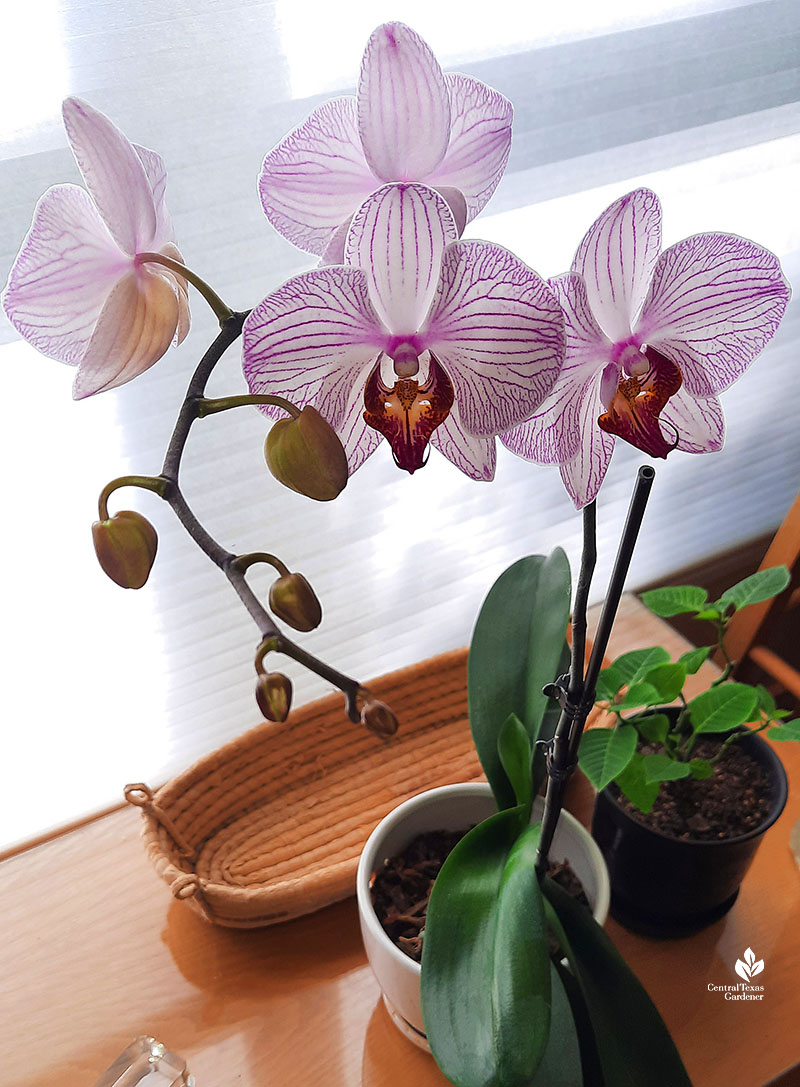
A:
[(652, 339), (408, 122), (77, 290), (420, 338)]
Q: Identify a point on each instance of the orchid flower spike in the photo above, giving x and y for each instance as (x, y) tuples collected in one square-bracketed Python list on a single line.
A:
[(421, 338), (77, 290), (652, 339), (408, 122)]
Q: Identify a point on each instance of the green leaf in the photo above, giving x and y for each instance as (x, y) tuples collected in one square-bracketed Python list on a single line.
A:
[(635, 665), (674, 599), (514, 749), (633, 784), (766, 703), (789, 730), (561, 1064), (639, 694), (633, 1044), (516, 649), (668, 680), (485, 965), (663, 768), (604, 753), (609, 682), (711, 613), (701, 769), (760, 586), (694, 659), (653, 728), (723, 708)]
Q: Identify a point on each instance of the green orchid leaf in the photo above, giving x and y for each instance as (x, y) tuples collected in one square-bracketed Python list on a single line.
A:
[(562, 1061), (485, 966), (723, 708), (701, 769), (653, 728), (674, 600), (638, 694), (514, 749), (635, 665), (641, 1053), (662, 768), (789, 730), (633, 784), (694, 659), (609, 682), (604, 753), (760, 586), (516, 649), (668, 680)]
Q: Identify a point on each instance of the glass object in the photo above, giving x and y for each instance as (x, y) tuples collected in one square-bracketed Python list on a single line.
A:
[(147, 1063)]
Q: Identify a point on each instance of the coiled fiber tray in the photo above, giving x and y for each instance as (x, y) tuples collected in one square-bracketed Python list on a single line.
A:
[(271, 825)]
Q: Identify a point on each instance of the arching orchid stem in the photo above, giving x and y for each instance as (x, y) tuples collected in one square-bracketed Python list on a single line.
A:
[(244, 562), (221, 311), (206, 406), (147, 483)]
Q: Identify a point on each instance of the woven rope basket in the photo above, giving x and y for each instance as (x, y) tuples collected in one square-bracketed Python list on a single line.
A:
[(271, 825)]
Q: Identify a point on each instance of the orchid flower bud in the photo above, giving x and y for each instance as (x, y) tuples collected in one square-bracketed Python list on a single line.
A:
[(274, 695), (305, 454), (126, 546), (378, 719), (292, 599)]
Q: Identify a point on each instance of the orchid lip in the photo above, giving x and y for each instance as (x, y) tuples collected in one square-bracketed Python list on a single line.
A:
[(633, 413)]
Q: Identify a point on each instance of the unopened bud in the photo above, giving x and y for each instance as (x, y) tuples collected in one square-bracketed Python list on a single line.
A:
[(292, 599), (379, 719), (274, 695), (305, 454), (126, 546)]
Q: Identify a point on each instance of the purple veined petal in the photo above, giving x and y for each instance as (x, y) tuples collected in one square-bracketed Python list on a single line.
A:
[(317, 176), (156, 173), (476, 457), (698, 424), (498, 330), (457, 203), (302, 337), (334, 250), (617, 257), (398, 237), (181, 290), (480, 141), (359, 440), (584, 473), (715, 302), (114, 175), (135, 328), (403, 105), (66, 268)]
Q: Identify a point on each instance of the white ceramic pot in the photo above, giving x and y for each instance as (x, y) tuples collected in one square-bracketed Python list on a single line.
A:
[(451, 807)]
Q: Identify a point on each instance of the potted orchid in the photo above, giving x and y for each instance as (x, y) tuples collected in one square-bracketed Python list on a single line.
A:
[(408, 333)]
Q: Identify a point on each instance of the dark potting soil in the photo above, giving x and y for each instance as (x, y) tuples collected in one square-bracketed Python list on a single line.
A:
[(401, 889), (733, 802)]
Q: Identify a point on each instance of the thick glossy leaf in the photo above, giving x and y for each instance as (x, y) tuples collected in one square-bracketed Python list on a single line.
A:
[(694, 659), (633, 784), (516, 649), (638, 694), (654, 727), (723, 708), (762, 585), (701, 769), (668, 680), (674, 600), (485, 965), (635, 665), (662, 768), (789, 730), (561, 1064), (604, 753), (514, 749), (633, 1044)]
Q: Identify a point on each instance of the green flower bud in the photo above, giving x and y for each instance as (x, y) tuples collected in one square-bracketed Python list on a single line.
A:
[(306, 455), (126, 546), (274, 695), (292, 599), (379, 719)]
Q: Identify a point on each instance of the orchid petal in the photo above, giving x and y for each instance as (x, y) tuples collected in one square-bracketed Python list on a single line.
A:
[(475, 457), (156, 173), (456, 203), (397, 238), (310, 340), (359, 440), (584, 473), (181, 289), (480, 140), (135, 328), (316, 177), (65, 270), (698, 424), (114, 176), (617, 257), (403, 105), (716, 300), (498, 330)]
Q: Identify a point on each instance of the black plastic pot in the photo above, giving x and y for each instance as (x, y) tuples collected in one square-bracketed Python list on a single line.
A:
[(661, 886)]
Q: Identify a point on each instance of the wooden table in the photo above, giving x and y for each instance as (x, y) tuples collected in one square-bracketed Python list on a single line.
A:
[(94, 952)]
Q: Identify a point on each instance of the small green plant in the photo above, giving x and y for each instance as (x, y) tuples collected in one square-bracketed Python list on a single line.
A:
[(637, 683)]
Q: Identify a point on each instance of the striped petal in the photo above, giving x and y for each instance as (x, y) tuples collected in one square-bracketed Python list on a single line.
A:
[(65, 270), (398, 237), (403, 105), (114, 175), (316, 177), (617, 258), (480, 141), (715, 302), (498, 330), (697, 425), (584, 473), (156, 173), (135, 328), (475, 457)]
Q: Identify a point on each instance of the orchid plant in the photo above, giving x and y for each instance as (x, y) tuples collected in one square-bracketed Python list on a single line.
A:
[(406, 332)]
